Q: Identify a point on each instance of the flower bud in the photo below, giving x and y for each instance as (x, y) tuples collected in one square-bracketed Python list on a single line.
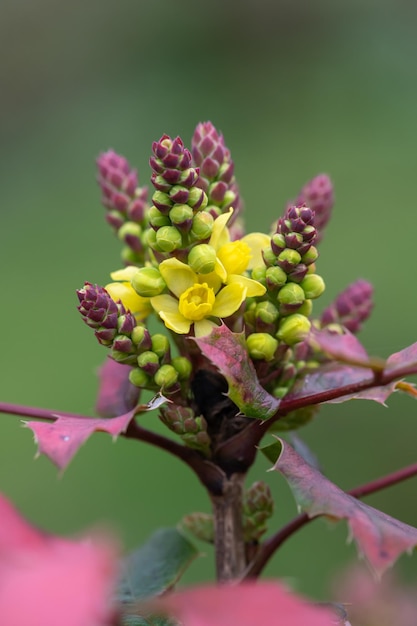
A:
[(166, 376), (261, 346), (266, 312), (162, 202), (288, 259), (192, 430), (313, 286), (183, 367), (168, 239), (148, 361), (202, 226), (258, 506), (181, 215), (269, 257), (139, 378), (141, 337), (157, 219), (122, 343), (201, 525), (310, 256), (259, 274), (148, 282), (275, 277), (160, 345), (293, 329), (306, 308), (202, 259), (291, 295)]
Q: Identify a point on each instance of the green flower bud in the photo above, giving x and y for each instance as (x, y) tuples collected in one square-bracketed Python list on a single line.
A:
[(293, 329), (259, 274), (261, 346), (258, 506), (157, 219), (181, 214), (197, 199), (129, 228), (141, 337), (168, 239), (166, 376), (130, 257), (266, 312), (148, 282), (202, 226), (201, 525), (150, 238), (313, 286), (139, 378), (291, 294), (310, 256), (288, 259), (269, 257), (162, 201), (275, 277), (183, 367), (306, 308), (160, 345), (149, 362), (278, 241), (202, 259)]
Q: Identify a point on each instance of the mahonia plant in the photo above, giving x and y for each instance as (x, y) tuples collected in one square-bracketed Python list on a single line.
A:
[(238, 353)]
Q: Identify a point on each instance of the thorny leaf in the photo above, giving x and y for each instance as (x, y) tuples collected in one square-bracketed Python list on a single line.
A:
[(227, 351), (381, 539), (60, 440), (344, 348)]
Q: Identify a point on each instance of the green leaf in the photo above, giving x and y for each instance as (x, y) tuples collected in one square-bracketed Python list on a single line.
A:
[(156, 566), (227, 351)]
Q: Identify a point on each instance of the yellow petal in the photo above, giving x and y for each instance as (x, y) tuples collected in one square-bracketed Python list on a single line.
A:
[(139, 306), (235, 256), (167, 308), (203, 327), (124, 274), (228, 300), (220, 234), (253, 288), (256, 242), (178, 276)]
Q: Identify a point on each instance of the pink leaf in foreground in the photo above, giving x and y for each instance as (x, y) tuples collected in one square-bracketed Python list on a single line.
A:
[(247, 604), (46, 580), (60, 440), (116, 394), (380, 538), (227, 351)]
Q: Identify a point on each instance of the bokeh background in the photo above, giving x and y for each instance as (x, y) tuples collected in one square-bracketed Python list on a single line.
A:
[(297, 88)]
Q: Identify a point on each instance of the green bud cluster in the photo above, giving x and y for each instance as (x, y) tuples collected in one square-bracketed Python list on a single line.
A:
[(175, 216), (216, 170), (258, 507), (191, 428), (155, 369), (201, 525)]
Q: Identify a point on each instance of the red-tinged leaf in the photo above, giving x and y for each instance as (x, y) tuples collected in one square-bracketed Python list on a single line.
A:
[(380, 538), (60, 440), (248, 604), (50, 581), (227, 351), (403, 359), (328, 377), (345, 348), (377, 394), (116, 394)]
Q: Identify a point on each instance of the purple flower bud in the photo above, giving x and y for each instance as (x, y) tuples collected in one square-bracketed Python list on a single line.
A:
[(351, 307), (119, 185), (318, 195)]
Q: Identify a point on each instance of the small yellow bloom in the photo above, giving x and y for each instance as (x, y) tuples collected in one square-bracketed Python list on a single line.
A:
[(195, 299)]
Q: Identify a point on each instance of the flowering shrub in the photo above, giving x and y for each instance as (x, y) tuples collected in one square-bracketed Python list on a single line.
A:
[(239, 354)]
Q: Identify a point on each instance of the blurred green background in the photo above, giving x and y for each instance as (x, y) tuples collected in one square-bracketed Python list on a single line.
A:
[(297, 88)]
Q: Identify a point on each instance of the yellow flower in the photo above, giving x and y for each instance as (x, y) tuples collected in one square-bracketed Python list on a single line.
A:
[(195, 301), (140, 307)]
